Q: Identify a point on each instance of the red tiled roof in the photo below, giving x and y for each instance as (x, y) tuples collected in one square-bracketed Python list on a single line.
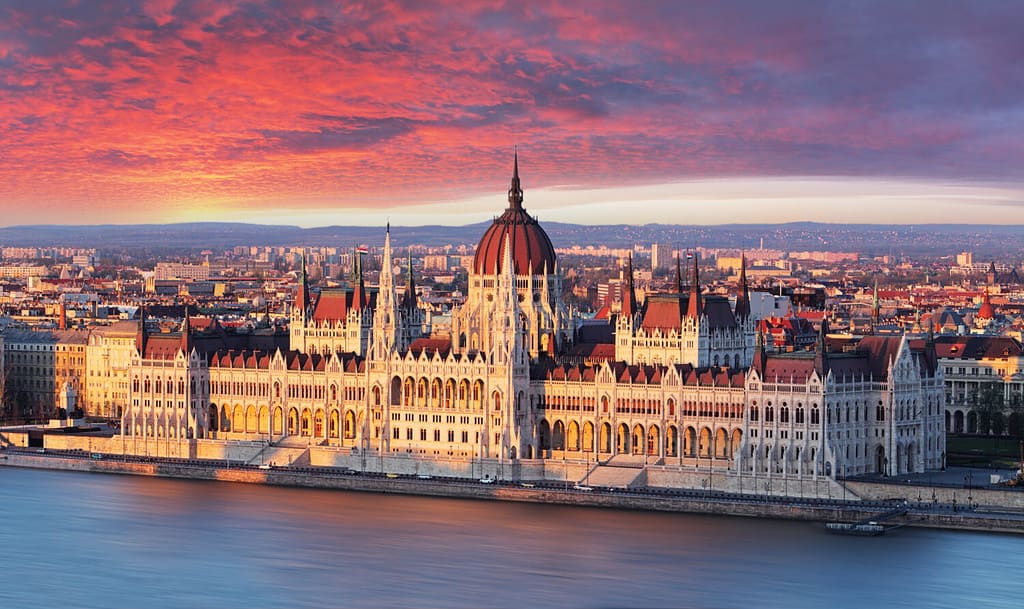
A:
[(431, 345), (663, 312), (977, 347), (332, 305), (162, 346)]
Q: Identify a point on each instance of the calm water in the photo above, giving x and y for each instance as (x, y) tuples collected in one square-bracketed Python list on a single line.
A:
[(109, 541)]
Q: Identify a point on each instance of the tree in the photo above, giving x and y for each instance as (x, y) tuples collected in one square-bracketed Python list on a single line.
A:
[(1015, 424), (987, 401), (998, 423)]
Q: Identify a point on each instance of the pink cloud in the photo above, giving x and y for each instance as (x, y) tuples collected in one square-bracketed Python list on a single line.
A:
[(187, 102)]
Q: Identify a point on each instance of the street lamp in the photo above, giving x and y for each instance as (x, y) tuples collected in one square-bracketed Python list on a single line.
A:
[(968, 480), (844, 482)]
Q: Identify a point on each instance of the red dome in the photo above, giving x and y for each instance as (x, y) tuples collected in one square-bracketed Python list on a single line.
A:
[(530, 247)]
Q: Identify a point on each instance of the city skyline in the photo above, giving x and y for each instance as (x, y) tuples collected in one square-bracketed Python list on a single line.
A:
[(309, 114)]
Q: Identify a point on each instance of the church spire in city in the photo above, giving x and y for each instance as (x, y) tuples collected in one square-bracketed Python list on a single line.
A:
[(515, 191)]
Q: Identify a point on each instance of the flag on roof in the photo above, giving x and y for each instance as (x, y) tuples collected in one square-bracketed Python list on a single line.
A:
[(362, 249)]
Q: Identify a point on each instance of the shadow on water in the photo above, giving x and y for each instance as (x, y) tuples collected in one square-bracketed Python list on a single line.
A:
[(110, 541)]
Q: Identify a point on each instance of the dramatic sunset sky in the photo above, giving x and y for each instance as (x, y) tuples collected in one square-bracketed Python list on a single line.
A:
[(316, 113)]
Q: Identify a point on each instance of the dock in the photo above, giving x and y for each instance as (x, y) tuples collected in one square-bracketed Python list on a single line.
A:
[(867, 527)]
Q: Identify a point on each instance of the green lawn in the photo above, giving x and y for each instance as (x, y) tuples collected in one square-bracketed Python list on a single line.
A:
[(972, 451), (991, 447)]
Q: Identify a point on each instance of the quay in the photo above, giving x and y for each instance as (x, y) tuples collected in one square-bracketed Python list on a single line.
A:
[(899, 512)]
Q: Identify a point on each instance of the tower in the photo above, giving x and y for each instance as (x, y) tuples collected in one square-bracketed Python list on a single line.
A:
[(386, 315), (537, 282)]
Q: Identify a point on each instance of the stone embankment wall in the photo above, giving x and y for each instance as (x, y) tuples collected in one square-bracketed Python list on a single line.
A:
[(414, 486), (1010, 499)]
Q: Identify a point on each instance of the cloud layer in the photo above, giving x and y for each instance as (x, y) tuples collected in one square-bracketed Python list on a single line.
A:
[(128, 111)]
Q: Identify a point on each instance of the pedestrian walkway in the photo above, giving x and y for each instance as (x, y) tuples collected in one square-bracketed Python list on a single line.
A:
[(612, 476)]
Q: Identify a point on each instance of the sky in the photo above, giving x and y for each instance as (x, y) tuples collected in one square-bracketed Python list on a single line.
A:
[(319, 113)]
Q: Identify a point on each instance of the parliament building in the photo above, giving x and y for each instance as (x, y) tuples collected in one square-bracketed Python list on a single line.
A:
[(685, 384)]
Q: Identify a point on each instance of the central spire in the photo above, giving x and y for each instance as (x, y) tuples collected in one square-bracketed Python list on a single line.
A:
[(515, 192)]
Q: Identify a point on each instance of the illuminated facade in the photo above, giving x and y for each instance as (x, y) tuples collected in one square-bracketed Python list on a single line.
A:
[(685, 384)]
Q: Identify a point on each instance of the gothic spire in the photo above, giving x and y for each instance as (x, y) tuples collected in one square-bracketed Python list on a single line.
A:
[(360, 299), (820, 349), (875, 308), (695, 307), (409, 297), (628, 295), (140, 336), (679, 276), (302, 302), (186, 330), (760, 355), (743, 298), (515, 191)]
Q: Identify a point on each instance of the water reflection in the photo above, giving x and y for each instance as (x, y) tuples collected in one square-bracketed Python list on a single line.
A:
[(111, 541)]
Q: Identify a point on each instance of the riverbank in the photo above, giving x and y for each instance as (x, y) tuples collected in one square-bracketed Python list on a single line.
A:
[(930, 514)]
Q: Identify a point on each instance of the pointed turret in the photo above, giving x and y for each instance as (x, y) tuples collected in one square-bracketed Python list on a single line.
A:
[(743, 297), (140, 335), (629, 307), (986, 310), (386, 280), (508, 277), (821, 349), (760, 354), (409, 296), (875, 307), (302, 300), (515, 191), (386, 315), (695, 307), (679, 276), (360, 299), (186, 331)]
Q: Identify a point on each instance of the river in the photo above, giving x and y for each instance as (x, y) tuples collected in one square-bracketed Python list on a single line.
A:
[(90, 540)]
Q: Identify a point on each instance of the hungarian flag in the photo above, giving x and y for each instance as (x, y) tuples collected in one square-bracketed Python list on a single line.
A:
[(362, 249), (689, 254)]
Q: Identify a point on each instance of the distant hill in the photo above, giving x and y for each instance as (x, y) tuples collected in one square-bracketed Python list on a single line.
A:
[(874, 239)]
